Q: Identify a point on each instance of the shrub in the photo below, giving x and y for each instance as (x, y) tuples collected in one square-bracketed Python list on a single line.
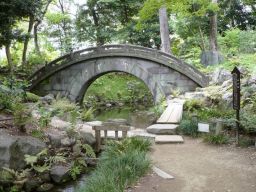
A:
[(248, 121), (63, 105), (87, 115), (193, 105), (189, 127), (120, 165), (31, 97), (216, 139), (246, 142), (22, 115)]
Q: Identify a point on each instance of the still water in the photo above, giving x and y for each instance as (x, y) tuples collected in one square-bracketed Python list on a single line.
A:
[(138, 117)]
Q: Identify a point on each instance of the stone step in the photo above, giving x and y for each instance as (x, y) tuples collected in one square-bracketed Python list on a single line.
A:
[(162, 129), (167, 139)]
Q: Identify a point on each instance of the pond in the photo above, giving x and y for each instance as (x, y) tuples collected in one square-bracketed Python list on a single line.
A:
[(138, 117)]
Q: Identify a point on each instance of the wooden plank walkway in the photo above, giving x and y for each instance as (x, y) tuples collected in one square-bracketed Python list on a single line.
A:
[(173, 112)]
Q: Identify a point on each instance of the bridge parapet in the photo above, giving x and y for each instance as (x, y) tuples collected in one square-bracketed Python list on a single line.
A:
[(119, 50)]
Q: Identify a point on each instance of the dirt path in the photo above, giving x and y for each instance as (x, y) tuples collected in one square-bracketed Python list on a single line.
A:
[(198, 167)]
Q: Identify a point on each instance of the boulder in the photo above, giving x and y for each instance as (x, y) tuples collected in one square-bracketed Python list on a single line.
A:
[(60, 173), (45, 187), (55, 136), (195, 95), (59, 124), (48, 98), (67, 142), (220, 75), (87, 137), (32, 183), (13, 149)]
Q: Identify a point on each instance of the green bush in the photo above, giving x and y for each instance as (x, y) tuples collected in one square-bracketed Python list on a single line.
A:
[(31, 97), (216, 139), (246, 142), (248, 121), (87, 115), (189, 127), (193, 105), (63, 105), (120, 165)]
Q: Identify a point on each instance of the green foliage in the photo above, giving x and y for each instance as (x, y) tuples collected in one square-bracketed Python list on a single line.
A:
[(63, 105), (89, 152), (42, 161), (31, 97), (37, 134), (248, 121), (216, 139), (193, 105), (119, 87), (87, 115), (45, 118), (75, 171), (189, 127), (121, 164), (230, 41), (246, 142), (22, 115)]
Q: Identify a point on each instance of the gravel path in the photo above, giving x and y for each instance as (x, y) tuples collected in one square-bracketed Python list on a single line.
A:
[(198, 167)]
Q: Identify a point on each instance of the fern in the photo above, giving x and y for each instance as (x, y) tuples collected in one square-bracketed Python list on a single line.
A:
[(89, 150)]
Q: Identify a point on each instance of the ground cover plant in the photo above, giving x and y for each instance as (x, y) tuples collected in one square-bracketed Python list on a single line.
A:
[(120, 165)]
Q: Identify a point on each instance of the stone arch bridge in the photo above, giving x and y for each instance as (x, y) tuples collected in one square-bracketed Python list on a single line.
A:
[(72, 74)]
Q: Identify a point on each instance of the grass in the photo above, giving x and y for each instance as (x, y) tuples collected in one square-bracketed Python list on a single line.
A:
[(120, 165), (216, 139)]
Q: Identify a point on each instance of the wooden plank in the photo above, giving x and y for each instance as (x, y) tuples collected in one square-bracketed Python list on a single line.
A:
[(173, 112)]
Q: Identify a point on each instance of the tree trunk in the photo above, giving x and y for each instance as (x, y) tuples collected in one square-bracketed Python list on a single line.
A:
[(213, 31), (164, 30), (37, 48), (9, 58), (25, 48)]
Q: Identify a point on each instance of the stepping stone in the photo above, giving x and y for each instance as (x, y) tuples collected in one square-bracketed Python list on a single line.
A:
[(141, 133), (164, 139), (162, 129), (162, 174)]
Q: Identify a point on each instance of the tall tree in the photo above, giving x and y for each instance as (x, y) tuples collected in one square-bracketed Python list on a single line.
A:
[(164, 30)]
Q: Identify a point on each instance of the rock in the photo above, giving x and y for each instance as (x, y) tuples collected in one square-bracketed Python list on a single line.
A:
[(67, 142), (195, 95), (32, 183), (83, 127), (55, 136), (227, 83), (164, 139), (48, 98), (59, 124), (227, 97), (36, 114), (92, 161), (45, 187), (108, 105), (252, 80), (13, 149), (220, 75), (87, 137), (211, 58), (60, 173), (160, 129)]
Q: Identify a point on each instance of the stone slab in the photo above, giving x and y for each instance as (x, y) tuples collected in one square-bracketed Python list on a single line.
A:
[(165, 139), (162, 174), (161, 129)]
